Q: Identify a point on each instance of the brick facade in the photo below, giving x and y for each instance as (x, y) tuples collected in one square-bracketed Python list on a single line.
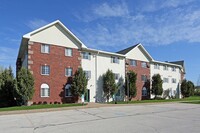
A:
[(56, 80), (139, 83)]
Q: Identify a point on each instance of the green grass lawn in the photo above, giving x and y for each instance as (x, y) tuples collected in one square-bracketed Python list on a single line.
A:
[(192, 99), (42, 106)]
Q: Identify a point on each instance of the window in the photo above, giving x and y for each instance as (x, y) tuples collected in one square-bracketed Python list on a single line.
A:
[(173, 80), (133, 62), (88, 74), (45, 70), (116, 76), (68, 52), (44, 90), (174, 69), (144, 64), (118, 92), (68, 72), (144, 78), (68, 91), (165, 67), (165, 80), (115, 60), (144, 91), (156, 66), (45, 48), (86, 55)]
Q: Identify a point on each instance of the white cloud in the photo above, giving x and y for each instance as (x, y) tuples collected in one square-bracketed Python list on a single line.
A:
[(116, 10), (163, 28), (36, 23)]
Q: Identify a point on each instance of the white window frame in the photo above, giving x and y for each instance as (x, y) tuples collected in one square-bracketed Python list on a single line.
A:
[(45, 48), (44, 90), (87, 74), (145, 78), (116, 75), (165, 80), (45, 70), (156, 66), (133, 64), (114, 59), (67, 72), (173, 69), (144, 91), (68, 52), (68, 91), (173, 80), (144, 64), (165, 67), (86, 55)]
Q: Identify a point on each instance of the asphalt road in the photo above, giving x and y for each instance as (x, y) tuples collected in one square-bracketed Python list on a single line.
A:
[(153, 118)]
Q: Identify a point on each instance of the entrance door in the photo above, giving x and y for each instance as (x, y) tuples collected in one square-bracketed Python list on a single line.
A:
[(87, 96)]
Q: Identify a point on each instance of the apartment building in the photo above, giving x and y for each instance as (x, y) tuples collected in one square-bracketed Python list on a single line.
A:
[(53, 54), (172, 74)]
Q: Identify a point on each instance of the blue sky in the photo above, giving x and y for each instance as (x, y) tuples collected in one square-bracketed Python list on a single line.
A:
[(168, 29)]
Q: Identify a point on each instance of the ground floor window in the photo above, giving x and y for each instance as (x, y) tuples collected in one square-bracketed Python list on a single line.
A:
[(67, 90), (45, 90), (144, 91)]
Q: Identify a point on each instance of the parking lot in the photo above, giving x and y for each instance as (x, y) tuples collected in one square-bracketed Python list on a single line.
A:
[(151, 118)]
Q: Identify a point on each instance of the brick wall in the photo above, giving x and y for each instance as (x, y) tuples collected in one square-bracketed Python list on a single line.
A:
[(139, 83), (56, 80)]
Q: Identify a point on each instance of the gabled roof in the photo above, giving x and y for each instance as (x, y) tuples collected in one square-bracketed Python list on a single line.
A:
[(28, 35), (125, 51)]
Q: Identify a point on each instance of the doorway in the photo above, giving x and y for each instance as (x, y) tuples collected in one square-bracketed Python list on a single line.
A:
[(87, 96)]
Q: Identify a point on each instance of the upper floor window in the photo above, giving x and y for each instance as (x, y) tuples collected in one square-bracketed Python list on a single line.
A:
[(116, 76), (45, 48), (88, 74), (144, 64), (68, 91), (156, 66), (165, 80), (165, 67), (45, 70), (173, 80), (133, 62), (68, 72), (114, 60), (68, 52), (44, 90), (144, 78), (86, 55), (174, 69)]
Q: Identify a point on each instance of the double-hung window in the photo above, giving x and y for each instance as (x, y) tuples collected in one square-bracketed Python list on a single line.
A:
[(45, 70), (133, 62), (144, 78), (165, 67), (44, 90), (173, 80), (144, 64), (116, 76), (165, 80), (88, 74), (114, 60), (86, 55), (174, 69), (68, 52), (68, 72), (156, 66), (45, 48), (68, 91)]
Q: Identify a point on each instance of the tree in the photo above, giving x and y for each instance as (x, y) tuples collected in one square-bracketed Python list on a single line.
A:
[(25, 86), (131, 78), (109, 85), (190, 86), (187, 88), (157, 85), (79, 83), (7, 86)]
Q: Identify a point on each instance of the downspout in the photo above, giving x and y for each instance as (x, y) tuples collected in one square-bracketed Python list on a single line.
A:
[(96, 74)]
